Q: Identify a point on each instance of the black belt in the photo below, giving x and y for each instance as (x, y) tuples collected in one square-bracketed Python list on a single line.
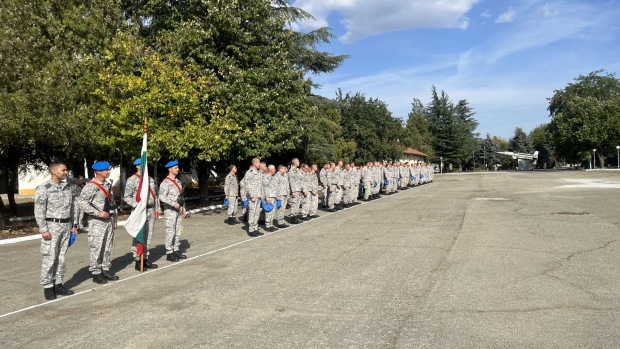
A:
[(58, 220), (149, 206)]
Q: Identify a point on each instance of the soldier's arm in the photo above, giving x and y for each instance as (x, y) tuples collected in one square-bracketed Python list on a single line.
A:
[(40, 208), (226, 186), (164, 194), (88, 193), (131, 188)]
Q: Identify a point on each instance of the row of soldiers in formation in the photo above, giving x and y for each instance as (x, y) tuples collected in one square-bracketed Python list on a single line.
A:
[(60, 204), (265, 188)]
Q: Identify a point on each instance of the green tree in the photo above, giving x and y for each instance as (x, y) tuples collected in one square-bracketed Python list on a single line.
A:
[(520, 143), (540, 139), (585, 115), (486, 152), (416, 133)]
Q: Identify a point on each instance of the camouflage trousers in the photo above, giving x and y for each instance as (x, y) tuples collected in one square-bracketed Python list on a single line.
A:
[(254, 215), (148, 233), (346, 195), (377, 189), (232, 206), (325, 195), (404, 182), (367, 190), (54, 267), (305, 204), (296, 203), (174, 221), (335, 196), (271, 214), (314, 204), (100, 235), (280, 213)]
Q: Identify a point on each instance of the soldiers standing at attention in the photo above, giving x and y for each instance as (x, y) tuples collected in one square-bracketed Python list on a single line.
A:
[(283, 193), (332, 180), (54, 212), (254, 187), (171, 196), (270, 192), (80, 183), (231, 190), (306, 190), (324, 184), (340, 186), (367, 180), (97, 201), (152, 213), (346, 186), (376, 177), (316, 187), (295, 178)]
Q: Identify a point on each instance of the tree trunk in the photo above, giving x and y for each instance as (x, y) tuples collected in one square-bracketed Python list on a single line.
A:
[(601, 159), (13, 179), (204, 172), (4, 218)]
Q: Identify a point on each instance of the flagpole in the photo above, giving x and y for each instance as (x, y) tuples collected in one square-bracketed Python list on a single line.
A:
[(146, 131)]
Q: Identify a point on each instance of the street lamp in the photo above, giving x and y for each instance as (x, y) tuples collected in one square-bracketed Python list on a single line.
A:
[(618, 147), (594, 159)]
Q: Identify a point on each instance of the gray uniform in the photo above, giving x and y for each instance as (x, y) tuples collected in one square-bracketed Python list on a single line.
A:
[(377, 179), (76, 208), (170, 190), (367, 181), (270, 192), (254, 188), (306, 187), (152, 204), (283, 194), (54, 213), (346, 189), (324, 185), (231, 189), (316, 187), (295, 180), (100, 230)]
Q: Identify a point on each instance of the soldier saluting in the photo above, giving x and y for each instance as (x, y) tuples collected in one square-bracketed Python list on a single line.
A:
[(54, 212), (152, 213), (97, 201), (171, 196)]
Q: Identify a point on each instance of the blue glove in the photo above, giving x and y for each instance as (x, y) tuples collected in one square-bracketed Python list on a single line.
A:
[(226, 202), (375, 184), (386, 182), (278, 203), (72, 239), (412, 178)]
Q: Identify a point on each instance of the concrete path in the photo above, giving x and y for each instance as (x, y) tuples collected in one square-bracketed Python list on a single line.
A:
[(512, 260)]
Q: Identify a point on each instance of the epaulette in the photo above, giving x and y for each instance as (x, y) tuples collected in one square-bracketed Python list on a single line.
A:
[(47, 185)]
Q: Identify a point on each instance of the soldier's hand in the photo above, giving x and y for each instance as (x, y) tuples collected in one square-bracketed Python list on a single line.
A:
[(305, 193), (293, 194), (74, 231), (115, 225), (253, 199), (103, 215), (226, 197), (46, 236), (177, 206)]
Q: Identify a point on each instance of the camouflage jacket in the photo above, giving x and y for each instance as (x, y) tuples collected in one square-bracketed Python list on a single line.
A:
[(53, 200)]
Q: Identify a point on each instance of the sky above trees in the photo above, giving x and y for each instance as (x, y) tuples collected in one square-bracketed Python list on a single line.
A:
[(505, 57)]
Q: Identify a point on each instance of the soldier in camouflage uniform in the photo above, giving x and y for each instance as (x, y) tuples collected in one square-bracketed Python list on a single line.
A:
[(338, 194), (80, 183), (324, 184), (332, 181), (283, 194), (54, 213), (231, 190), (306, 190), (152, 213), (367, 180), (97, 201), (377, 175), (295, 180), (316, 188), (270, 192), (346, 186), (254, 188), (171, 197)]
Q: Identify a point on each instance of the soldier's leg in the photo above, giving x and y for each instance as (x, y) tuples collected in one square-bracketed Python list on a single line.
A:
[(255, 211), (171, 222), (63, 245), (305, 205), (294, 200), (314, 205), (232, 201), (282, 208), (96, 231), (177, 231), (106, 262), (332, 197), (269, 215), (50, 250)]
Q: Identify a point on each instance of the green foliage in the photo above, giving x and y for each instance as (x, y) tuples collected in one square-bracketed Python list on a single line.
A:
[(486, 153), (520, 143), (585, 115), (371, 126), (416, 133), (540, 139)]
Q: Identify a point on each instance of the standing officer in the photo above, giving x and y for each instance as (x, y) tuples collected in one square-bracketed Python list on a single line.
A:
[(367, 180), (316, 187), (171, 196), (254, 188), (152, 213), (54, 213), (346, 188), (283, 192), (306, 189), (332, 183), (324, 184), (295, 180), (231, 190), (80, 182), (97, 201), (270, 192)]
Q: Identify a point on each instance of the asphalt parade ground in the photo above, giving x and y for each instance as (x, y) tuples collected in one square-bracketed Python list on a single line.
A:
[(508, 260)]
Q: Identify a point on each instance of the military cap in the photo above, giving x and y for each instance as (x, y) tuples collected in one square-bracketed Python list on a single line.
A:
[(100, 166), (171, 163), (138, 161)]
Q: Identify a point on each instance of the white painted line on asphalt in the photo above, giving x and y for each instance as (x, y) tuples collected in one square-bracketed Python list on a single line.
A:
[(20, 239), (178, 263)]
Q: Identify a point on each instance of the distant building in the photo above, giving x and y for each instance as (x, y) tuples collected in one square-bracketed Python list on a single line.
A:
[(413, 155)]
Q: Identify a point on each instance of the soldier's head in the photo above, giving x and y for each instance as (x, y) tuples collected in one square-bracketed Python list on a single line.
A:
[(326, 166), (59, 171), (282, 169), (262, 167), (232, 169), (271, 169), (295, 162), (314, 168), (102, 170), (352, 164), (339, 163), (347, 167), (332, 166), (255, 163), (80, 180)]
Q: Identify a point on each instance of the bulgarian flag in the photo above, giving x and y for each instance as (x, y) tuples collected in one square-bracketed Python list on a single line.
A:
[(136, 223)]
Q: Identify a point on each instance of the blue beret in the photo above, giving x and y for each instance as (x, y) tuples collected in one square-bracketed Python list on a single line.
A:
[(138, 161), (100, 166), (171, 163)]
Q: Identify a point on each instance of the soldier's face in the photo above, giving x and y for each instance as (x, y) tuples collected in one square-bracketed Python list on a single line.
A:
[(60, 172), (174, 170), (104, 174)]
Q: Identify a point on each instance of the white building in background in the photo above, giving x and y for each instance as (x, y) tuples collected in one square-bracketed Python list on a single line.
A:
[(412, 155)]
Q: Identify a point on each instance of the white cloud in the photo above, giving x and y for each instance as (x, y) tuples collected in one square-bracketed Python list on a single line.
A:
[(506, 17), (486, 14), (363, 18)]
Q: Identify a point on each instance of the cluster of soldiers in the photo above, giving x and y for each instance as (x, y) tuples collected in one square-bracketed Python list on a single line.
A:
[(263, 188), (61, 202)]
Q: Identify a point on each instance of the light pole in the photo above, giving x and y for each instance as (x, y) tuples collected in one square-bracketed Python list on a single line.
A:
[(441, 163), (594, 159)]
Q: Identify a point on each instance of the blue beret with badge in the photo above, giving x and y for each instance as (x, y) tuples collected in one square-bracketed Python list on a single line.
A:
[(138, 161), (171, 164), (101, 166)]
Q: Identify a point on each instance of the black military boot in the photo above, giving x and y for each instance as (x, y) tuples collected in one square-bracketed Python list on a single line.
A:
[(62, 290), (49, 293), (138, 266), (149, 265), (171, 257), (179, 255), (283, 225), (109, 276), (99, 279)]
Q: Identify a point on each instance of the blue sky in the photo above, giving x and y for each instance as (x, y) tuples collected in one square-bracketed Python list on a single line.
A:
[(505, 57)]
